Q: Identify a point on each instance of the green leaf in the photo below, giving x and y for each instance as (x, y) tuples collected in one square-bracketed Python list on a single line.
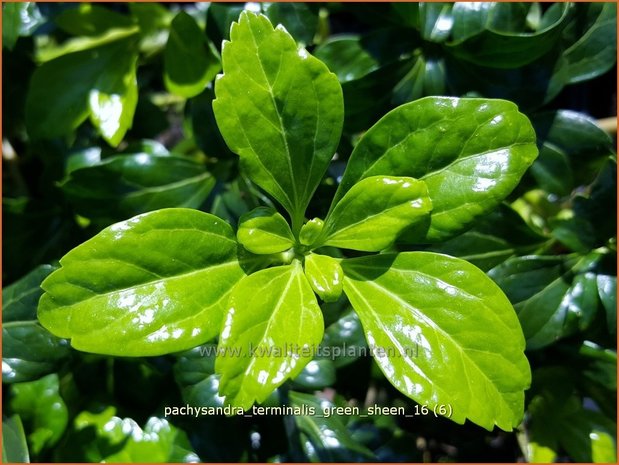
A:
[(310, 232), (317, 374), (471, 153), (190, 60), (443, 334), (42, 409), (87, 19), (19, 19), (271, 330), (496, 47), (280, 109), (14, 446), (372, 214), (105, 437), (344, 341), (194, 372), (104, 87), (495, 238), (28, 350), (593, 45), (122, 186), (325, 439), (554, 296), (325, 275), (154, 284), (204, 126), (264, 231), (346, 57), (299, 19), (435, 20), (607, 290)]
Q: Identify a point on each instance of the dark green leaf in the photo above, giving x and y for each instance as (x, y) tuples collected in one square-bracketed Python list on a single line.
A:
[(122, 186), (264, 231), (435, 20), (28, 350), (204, 126), (497, 48), (154, 284), (607, 290), (87, 19), (190, 60), (42, 409), (495, 238), (442, 333), (317, 374), (346, 57), (471, 153), (554, 296), (19, 19), (280, 109), (195, 374), (104, 87), (14, 446), (593, 44), (325, 439), (271, 330), (299, 19), (374, 211), (344, 340)]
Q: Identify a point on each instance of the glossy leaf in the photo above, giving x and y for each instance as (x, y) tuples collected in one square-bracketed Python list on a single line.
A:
[(346, 57), (607, 290), (122, 186), (264, 231), (310, 232), (280, 109), (325, 439), (19, 19), (87, 19), (274, 334), (497, 48), (28, 350), (373, 213), (593, 44), (495, 238), (299, 19), (190, 60), (194, 372), (554, 296), (443, 334), (344, 341), (14, 446), (471, 153), (105, 88), (42, 409), (325, 275), (105, 437), (435, 20), (317, 374), (137, 288)]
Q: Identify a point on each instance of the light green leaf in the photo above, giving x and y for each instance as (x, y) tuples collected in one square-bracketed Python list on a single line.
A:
[(87, 19), (443, 334), (280, 109), (103, 86), (264, 231), (154, 284), (471, 153), (271, 330), (310, 232), (325, 439), (325, 275), (373, 213), (42, 409), (554, 296), (190, 60), (123, 186), (14, 446), (28, 350)]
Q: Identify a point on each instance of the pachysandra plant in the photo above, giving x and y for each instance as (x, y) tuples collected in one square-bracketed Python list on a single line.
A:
[(172, 279)]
